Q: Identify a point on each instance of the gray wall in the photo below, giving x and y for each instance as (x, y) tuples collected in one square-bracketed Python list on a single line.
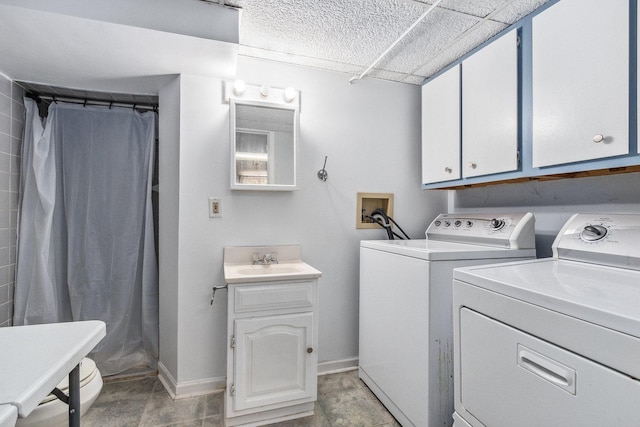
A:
[(11, 125), (553, 202)]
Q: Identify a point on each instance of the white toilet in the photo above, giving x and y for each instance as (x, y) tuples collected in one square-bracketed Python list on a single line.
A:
[(53, 413)]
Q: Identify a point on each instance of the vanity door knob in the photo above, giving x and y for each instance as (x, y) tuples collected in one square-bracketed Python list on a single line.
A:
[(310, 350), (472, 165), (598, 138)]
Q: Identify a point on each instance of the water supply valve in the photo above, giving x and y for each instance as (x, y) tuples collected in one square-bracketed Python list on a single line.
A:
[(215, 288)]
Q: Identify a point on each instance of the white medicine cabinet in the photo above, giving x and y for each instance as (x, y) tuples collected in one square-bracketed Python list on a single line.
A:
[(263, 145), (264, 133)]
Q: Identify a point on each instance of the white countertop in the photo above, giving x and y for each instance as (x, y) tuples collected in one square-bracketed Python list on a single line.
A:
[(247, 273), (35, 358)]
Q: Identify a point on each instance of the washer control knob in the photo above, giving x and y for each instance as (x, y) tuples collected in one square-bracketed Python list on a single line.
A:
[(458, 223), (469, 224), (496, 224), (593, 233), (438, 223), (447, 223)]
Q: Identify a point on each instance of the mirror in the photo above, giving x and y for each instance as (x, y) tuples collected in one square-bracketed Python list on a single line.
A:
[(263, 145)]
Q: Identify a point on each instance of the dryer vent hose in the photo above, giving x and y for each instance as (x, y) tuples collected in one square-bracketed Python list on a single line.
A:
[(383, 220)]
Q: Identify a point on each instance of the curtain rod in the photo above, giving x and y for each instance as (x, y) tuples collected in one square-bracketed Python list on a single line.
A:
[(89, 101), (398, 40)]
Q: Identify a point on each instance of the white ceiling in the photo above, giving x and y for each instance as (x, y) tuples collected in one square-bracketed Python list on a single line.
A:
[(85, 44), (349, 35), (118, 49)]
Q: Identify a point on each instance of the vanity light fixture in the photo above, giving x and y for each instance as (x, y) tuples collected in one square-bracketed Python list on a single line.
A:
[(239, 86), (264, 93), (289, 94)]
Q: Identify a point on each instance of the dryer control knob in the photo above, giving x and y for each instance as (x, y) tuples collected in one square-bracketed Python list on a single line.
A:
[(496, 224), (593, 233)]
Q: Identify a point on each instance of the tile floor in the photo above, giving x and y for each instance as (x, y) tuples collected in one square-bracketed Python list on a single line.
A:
[(343, 400)]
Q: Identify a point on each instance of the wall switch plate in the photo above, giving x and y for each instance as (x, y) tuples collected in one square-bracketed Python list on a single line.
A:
[(215, 207)]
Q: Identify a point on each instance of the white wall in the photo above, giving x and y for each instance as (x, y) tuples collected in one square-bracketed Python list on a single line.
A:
[(371, 133), (168, 200), (553, 202)]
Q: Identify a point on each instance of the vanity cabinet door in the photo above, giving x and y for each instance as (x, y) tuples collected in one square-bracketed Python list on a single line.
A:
[(580, 81), (274, 362), (441, 128), (490, 109)]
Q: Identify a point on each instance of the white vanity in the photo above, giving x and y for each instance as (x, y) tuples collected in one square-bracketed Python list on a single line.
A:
[(272, 357)]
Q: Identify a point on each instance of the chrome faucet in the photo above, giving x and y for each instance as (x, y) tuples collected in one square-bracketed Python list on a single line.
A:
[(266, 259)]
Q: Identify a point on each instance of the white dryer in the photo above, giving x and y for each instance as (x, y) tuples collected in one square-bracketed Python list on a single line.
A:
[(555, 341), (406, 338)]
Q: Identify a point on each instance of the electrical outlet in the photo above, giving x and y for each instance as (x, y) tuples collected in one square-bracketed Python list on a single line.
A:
[(215, 207)]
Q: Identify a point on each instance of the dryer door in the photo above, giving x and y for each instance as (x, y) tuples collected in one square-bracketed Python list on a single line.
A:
[(509, 378)]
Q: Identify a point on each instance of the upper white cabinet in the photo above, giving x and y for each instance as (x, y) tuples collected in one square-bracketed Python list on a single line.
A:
[(580, 81), (490, 108), (441, 128)]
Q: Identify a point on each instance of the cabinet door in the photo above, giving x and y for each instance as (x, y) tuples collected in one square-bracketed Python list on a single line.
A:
[(441, 128), (580, 81), (275, 361), (490, 109)]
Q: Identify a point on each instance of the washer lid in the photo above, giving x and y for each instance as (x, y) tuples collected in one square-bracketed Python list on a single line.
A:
[(606, 296), (435, 250)]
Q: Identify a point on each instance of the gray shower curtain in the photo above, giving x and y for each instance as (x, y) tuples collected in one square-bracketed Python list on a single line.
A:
[(85, 229)]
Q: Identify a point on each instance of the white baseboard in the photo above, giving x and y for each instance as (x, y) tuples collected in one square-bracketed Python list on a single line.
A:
[(182, 390), (186, 389), (335, 366)]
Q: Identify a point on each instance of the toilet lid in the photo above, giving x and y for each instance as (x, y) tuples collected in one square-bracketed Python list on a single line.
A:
[(88, 371)]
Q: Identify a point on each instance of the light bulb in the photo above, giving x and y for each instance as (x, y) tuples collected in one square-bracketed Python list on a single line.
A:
[(289, 94), (239, 86)]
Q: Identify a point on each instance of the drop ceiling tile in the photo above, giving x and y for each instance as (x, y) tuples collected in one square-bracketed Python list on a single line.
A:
[(308, 61), (428, 39), (479, 8), (461, 47), (348, 35), (353, 32), (517, 10)]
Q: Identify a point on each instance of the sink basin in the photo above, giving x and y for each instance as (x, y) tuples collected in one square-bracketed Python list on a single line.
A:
[(270, 269), (243, 273), (239, 267)]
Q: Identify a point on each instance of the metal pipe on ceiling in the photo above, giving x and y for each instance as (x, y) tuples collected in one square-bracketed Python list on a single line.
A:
[(398, 40)]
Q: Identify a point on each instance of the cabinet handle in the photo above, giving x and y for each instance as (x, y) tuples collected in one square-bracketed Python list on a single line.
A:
[(472, 165), (448, 169), (598, 138), (310, 350)]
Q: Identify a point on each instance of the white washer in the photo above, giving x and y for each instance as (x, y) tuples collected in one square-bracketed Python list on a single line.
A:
[(406, 339), (555, 341)]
